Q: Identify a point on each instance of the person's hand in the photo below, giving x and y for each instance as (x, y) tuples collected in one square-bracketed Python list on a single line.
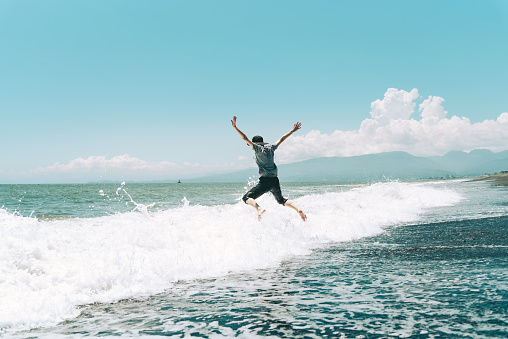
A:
[(233, 122), (296, 127)]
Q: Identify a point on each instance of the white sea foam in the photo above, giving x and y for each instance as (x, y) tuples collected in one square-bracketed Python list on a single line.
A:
[(48, 268)]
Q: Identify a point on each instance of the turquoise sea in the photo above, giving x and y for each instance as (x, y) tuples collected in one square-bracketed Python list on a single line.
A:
[(374, 260)]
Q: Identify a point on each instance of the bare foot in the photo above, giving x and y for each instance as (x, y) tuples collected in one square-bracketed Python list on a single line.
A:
[(303, 216), (260, 211)]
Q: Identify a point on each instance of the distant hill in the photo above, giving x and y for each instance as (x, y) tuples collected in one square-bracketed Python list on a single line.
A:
[(476, 162), (375, 167), (393, 165)]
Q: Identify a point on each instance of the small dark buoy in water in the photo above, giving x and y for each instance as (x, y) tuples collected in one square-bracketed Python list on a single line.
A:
[(179, 182)]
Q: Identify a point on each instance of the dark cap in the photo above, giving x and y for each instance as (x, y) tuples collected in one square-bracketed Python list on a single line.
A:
[(258, 140)]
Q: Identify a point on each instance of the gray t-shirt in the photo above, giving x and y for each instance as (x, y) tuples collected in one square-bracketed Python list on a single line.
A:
[(264, 160)]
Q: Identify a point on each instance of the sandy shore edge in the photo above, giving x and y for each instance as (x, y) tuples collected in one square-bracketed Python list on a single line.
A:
[(499, 179)]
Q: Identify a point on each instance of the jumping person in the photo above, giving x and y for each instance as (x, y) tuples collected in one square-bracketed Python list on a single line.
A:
[(268, 180)]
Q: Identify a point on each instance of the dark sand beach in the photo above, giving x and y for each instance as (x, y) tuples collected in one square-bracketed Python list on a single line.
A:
[(499, 179)]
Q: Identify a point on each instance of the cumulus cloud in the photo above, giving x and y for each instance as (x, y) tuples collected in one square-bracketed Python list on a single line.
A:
[(391, 127), (395, 105), (432, 108)]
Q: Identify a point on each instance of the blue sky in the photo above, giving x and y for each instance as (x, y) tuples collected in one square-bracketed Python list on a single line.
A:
[(157, 82)]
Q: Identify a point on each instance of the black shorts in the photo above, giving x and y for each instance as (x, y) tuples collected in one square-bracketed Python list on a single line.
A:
[(266, 184)]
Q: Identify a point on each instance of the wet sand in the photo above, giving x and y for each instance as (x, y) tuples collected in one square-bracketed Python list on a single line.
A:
[(500, 179)]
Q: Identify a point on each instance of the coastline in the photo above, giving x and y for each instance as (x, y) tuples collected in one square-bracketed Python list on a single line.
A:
[(499, 179)]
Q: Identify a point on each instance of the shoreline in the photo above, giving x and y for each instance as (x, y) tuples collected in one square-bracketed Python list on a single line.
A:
[(499, 179)]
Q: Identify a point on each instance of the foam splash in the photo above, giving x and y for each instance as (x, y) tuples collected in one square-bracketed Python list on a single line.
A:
[(49, 267)]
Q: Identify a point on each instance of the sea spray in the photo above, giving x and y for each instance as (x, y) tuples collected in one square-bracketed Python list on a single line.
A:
[(49, 267)]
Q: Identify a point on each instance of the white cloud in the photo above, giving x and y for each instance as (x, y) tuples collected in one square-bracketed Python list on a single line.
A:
[(431, 108), (391, 128), (395, 105), (127, 166), (120, 162)]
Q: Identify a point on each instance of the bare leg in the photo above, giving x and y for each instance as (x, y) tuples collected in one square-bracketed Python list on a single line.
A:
[(290, 204), (254, 204)]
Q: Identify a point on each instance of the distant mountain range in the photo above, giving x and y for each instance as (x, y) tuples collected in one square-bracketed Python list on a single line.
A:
[(382, 166)]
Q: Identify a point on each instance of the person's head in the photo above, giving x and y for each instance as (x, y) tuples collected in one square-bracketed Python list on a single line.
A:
[(258, 140)]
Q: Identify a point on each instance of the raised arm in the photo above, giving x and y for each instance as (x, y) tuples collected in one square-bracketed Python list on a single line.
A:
[(296, 127), (244, 137)]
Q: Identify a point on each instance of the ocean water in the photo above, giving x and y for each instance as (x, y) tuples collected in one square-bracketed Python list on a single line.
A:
[(373, 260)]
